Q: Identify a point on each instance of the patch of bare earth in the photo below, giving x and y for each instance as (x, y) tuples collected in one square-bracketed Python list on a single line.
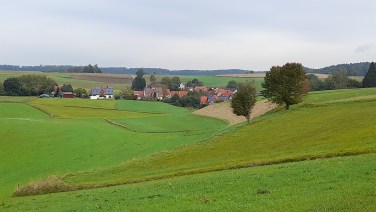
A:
[(108, 78), (224, 111)]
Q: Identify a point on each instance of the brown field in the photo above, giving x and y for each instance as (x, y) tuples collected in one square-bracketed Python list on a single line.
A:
[(108, 78), (321, 76), (254, 75), (224, 111)]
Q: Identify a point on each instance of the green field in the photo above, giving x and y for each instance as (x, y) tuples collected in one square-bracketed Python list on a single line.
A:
[(46, 136), (107, 79), (317, 156)]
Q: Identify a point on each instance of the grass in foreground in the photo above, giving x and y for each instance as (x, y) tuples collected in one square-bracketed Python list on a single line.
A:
[(337, 184), (325, 129), (35, 145)]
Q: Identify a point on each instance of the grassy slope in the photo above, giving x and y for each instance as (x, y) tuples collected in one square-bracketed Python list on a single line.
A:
[(338, 184), (33, 145), (320, 130)]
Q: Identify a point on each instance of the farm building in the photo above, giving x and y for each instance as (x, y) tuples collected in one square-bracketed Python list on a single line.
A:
[(68, 95), (102, 93)]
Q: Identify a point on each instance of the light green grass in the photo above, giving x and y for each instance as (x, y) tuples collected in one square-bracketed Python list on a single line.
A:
[(35, 145), (304, 132), (339, 184)]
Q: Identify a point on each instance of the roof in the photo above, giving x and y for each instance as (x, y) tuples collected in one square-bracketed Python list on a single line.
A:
[(204, 100), (179, 93), (102, 90)]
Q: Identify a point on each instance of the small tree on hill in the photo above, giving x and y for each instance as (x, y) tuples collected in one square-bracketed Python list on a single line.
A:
[(285, 85), (244, 100), (369, 81), (232, 84), (153, 79), (139, 83)]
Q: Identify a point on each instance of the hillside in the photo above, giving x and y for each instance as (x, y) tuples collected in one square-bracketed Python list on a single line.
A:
[(327, 124), (41, 137), (352, 69), (322, 151)]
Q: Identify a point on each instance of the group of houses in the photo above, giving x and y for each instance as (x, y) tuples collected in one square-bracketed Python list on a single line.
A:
[(159, 92), (210, 95), (102, 92)]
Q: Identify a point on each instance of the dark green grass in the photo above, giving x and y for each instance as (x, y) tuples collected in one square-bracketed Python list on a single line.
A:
[(35, 145), (338, 184)]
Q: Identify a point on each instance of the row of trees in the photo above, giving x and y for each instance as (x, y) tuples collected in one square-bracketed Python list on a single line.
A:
[(28, 85), (340, 80), (84, 69), (139, 82)]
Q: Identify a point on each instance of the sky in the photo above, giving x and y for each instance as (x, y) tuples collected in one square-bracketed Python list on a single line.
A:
[(190, 34)]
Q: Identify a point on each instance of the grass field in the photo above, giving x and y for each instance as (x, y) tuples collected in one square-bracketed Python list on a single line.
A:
[(71, 135), (338, 184), (247, 168)]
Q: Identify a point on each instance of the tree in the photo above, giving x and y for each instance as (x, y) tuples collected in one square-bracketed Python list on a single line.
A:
[(337, 80), (12, 86), (285, 85), (80, 92), (232, 84), (244, 99), (369, 80), (139, 83), (315, 83), (2, 92), (67, 88), (153, 79)]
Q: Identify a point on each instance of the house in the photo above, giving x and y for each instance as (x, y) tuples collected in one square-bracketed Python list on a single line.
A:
[(181, 86), (138, 95), (204, 100), (179, 93), (153, 93), (68, 95), (102, 93), (201, 88)]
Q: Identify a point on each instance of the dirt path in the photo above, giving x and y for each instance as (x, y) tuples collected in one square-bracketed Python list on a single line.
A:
[(224, 111)]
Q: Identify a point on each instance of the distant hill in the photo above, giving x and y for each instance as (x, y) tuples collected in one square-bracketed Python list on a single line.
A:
[(123, 70), (352, 69), (160, 71)]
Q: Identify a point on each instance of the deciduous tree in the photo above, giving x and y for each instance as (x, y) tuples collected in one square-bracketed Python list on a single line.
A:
[(285, 85), (244, 100)]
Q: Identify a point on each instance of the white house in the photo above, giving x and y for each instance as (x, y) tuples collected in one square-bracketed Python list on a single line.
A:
[(102, 93), (181, 86)]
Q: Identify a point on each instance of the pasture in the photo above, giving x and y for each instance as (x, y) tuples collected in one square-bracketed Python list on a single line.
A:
[(317, 156), (41, 137)]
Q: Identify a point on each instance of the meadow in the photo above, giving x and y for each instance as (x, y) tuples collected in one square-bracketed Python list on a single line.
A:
[(317, 156), (41, 137)]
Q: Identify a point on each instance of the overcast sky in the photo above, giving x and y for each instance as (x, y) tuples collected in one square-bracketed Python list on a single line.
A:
[(191, 34)]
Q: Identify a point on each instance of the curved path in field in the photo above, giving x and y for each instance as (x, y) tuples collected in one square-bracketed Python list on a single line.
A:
[(224, 111)]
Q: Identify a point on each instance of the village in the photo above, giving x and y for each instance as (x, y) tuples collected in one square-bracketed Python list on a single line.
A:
[(159, 92)]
